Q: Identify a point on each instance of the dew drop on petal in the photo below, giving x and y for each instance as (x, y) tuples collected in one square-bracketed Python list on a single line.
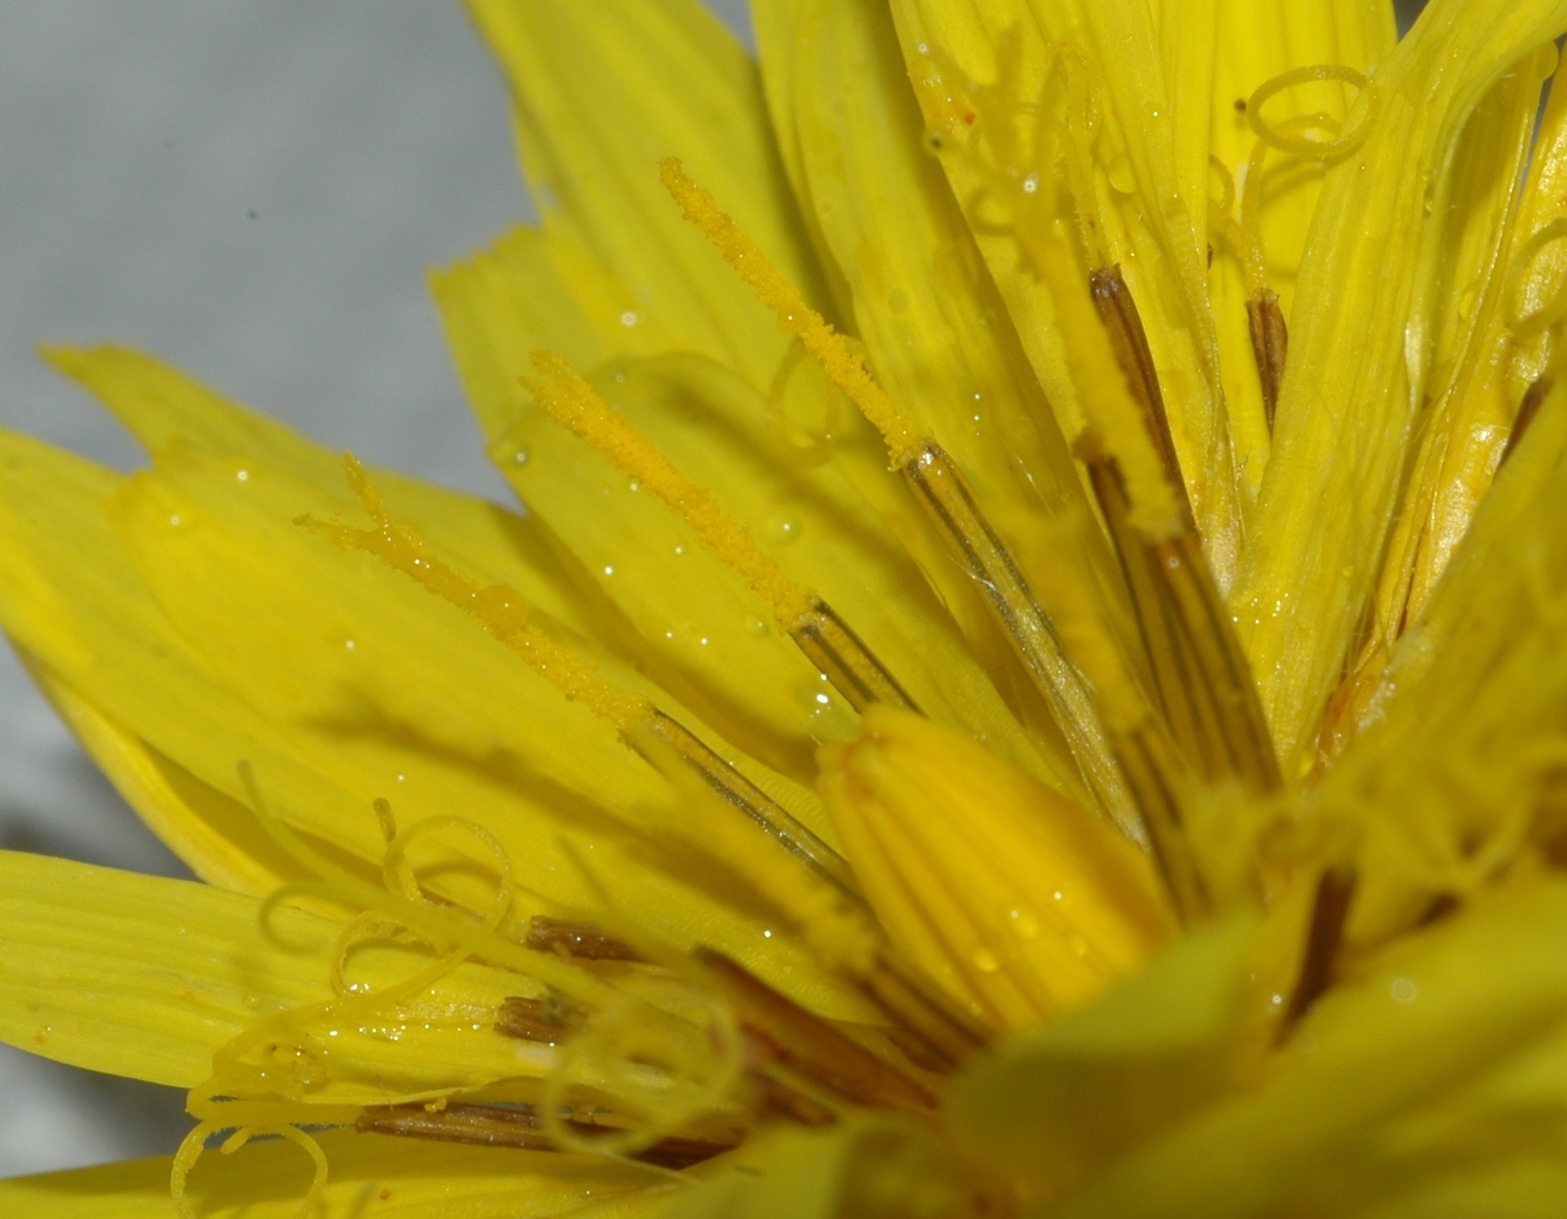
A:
[(781, 530)]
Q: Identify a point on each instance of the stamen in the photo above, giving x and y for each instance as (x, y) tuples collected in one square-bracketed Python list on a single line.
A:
[(808, 1044), (580, 940), (938, 485), (946, 1036), (1201, 676), (1535, 398), (1269, 330), (843, 366), (821, 634), (1118, 311), (841, 932), (548, 1021), (520, 1128), (1139, 778), (1270, 340), (502, 611), (1329, 910)]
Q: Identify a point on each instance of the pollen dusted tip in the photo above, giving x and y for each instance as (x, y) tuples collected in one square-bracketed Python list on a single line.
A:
[(843, 366)]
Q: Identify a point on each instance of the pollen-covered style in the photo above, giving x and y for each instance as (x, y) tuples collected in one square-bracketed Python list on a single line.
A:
[(1031, 679)]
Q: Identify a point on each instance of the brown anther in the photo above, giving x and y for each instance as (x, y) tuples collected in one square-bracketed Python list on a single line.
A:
[(1527, 410), (780, 1030), (580, 940), (1441, 906), (1270, 341), (943, 1037), (1129, 340), (1329, 910), (735, 789), (549, 1020), (940, 488), (1240, 105), (776, 1099), (1201, 679), (852, 668), (520, 1128)]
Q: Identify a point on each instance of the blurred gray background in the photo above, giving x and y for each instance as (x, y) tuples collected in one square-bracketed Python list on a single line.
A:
[(253, 190)]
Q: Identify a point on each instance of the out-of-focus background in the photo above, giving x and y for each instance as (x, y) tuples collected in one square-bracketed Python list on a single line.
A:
[(255, 192)]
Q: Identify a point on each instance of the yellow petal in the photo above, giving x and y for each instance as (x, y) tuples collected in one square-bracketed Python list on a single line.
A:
[(1454, 772), (1018, 902), (923, 302), (1001, 83), (1252, 45), (71, 599), (859, 1166), (162, 405), (788, 467), (1481, 369), (391, 693), (602, 95), (147, 978), (1362, 334), (369, 1174), (706, 634), (1055, 1104), (1445, 1012), (218, 837)]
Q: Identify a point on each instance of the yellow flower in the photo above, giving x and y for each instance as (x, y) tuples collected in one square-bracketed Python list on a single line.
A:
[(1031, 680)]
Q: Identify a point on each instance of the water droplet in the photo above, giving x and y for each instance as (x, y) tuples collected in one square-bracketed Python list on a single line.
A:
[(824, 700), (985, 961), (757, 627), (636, 484), (1277, 1000), (1121, 176), (242, 475), (609, 570), (680, 550), (520, 457), (629, 318), (782, 530), (1404, 990), (175, 521), (1058, 895), (703, 641), (349, 644), (767, 935)]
